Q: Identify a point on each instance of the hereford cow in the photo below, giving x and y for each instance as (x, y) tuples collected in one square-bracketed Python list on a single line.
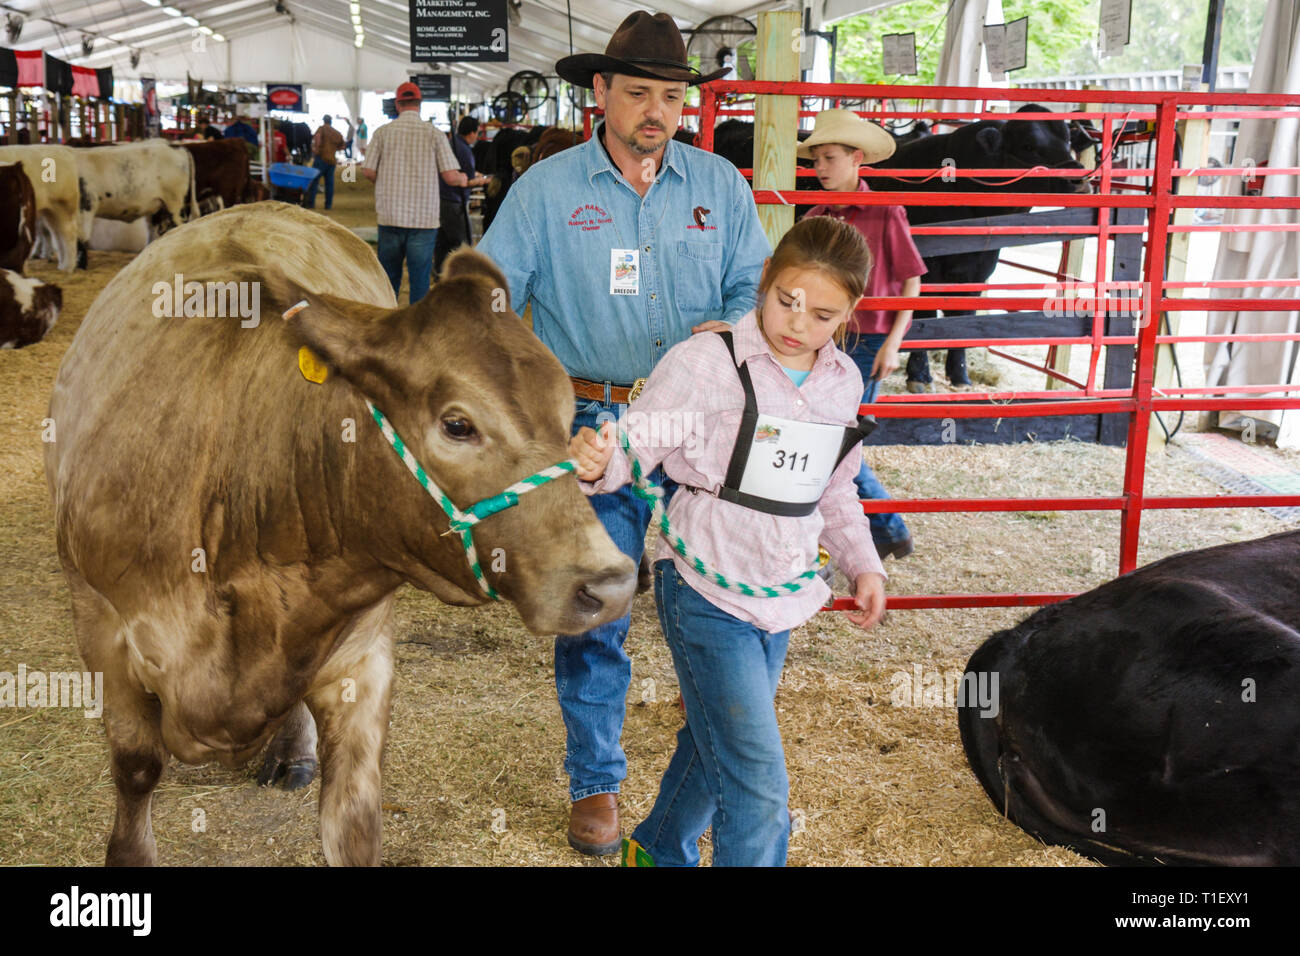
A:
[(233, 534), (991, 144), (52, 171), (28, 309), (220, 170), (124, 182), (17, 216), (1155, 719)]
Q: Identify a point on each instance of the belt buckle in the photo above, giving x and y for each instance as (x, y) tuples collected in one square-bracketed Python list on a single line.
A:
[(635, 391)]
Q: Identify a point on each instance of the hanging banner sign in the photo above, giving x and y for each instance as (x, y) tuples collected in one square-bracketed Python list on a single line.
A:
[(1116, 20), (459, 31), (900, 54), (435, 86), (286, 96), (1006, 47)]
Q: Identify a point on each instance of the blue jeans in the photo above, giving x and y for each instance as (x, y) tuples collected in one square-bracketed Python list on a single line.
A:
[(416, 247), (729, 766), (326, 176), (885, 529), (592, 673)]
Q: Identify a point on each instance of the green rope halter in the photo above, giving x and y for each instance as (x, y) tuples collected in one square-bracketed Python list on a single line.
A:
[(653, 495), (463, 522)]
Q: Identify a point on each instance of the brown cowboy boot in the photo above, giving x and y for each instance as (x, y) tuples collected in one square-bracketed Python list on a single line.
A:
[(593, 825)]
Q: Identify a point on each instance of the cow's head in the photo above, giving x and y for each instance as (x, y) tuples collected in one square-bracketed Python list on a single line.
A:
[(1028, 143), (28, 309), (482, 404)]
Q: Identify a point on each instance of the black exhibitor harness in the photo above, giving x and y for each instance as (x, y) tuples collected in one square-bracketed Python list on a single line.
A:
[(781, 465)]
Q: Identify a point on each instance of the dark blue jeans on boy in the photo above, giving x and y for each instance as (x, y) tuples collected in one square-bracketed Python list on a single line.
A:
[(728, 770), (592, 673), (885, 529)]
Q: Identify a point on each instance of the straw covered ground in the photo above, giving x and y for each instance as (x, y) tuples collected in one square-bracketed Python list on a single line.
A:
[(473, 766)]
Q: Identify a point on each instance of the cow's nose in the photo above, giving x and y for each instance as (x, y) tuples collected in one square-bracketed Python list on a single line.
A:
[(606, 592)]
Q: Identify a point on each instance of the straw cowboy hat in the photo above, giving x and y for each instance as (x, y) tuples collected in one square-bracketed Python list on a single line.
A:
[(643, 45), (848, 129)]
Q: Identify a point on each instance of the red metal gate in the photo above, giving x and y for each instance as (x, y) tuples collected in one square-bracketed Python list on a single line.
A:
[(1164, 108)]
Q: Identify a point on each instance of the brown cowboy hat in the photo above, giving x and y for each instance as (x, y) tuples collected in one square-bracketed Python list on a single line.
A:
[(643, 45)]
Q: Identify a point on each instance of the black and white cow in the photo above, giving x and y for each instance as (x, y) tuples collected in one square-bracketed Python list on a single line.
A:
[(990, 144), (1155, 719), (28, 309)]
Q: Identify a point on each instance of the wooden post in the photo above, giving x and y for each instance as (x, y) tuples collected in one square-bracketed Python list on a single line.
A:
[(65, 116), (776, 118), (1195, 137), (1073, 267), (13, 117)]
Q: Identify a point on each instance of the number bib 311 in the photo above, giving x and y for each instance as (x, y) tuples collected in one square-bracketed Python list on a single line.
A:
[(791, 461)]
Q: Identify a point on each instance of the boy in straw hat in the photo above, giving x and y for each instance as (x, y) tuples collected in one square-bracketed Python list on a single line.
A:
[(841, 142)]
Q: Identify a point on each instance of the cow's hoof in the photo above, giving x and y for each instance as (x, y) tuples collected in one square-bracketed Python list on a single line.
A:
[(286, 774), (917, 388)]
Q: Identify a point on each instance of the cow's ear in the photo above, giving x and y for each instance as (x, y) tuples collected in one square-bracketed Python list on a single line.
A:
[(990, 139), (351, 338), (468, 262)]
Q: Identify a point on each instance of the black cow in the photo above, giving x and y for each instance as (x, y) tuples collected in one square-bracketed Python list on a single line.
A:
[(990, 144), (297, 137), (1155, 719)]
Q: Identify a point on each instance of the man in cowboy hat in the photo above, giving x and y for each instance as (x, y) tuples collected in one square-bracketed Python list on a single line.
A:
[(841, 142), (625, 245)]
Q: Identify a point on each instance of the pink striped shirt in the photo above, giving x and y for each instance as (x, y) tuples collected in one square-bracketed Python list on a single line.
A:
[(687, 418)]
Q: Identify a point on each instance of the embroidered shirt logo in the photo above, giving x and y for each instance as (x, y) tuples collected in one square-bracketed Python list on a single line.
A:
[(700, 213), (589, 217)]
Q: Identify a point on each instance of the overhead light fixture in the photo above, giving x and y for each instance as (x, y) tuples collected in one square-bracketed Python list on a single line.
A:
[(154, 3), (206, 30), (219, 38), (190, 20), (360, 40), (356, 19), (172, 12)]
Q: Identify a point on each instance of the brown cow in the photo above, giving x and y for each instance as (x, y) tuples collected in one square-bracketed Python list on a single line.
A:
[(234, 534), (17, 216), (28, 309), (220, 170)]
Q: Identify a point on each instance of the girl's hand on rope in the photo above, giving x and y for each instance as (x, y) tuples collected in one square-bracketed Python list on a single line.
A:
[(591, 452), (870, 597)]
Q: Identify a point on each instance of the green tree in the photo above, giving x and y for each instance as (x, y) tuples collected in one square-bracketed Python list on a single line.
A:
[(1063, 35)]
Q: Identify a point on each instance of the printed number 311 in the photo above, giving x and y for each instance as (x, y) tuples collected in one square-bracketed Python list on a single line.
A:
[(782, 457)]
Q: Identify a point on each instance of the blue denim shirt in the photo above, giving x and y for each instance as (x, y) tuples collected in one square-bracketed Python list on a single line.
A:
[(700, 246)]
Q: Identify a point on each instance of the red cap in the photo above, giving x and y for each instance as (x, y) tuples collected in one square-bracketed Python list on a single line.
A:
[(408, 92)]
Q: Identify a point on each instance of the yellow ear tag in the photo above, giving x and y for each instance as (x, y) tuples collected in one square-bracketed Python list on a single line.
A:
[(312, 368)]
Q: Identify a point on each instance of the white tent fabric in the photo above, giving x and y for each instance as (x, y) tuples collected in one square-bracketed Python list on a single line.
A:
[(962, 61), (1263, 255)]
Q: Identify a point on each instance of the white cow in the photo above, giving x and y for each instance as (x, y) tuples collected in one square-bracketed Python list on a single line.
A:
[(53, 171), (131, 180)]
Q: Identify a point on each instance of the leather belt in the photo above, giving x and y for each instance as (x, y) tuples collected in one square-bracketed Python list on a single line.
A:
[(618, 394)]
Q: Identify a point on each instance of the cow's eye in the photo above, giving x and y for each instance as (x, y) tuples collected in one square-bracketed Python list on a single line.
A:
[(458, 429)]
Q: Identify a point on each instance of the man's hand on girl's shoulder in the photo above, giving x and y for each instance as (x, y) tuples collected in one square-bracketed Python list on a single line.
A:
[(713, 325), (592, 451), (870, 597)]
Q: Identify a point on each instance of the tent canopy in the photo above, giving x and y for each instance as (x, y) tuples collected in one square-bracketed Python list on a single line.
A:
[(247, 42)]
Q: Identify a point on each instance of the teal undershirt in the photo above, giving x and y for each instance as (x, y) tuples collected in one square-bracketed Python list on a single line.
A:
[(797, 376)]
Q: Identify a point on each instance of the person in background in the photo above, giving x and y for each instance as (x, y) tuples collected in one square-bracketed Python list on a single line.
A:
[(840, 144), (211, 132), (241, 130), (347, 138), (453, 228), (325, 145), (363, 134), (404, 159), (279, 147)]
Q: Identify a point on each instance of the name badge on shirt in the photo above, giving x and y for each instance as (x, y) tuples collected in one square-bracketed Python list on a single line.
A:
[(624, 271), (791, 461)]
